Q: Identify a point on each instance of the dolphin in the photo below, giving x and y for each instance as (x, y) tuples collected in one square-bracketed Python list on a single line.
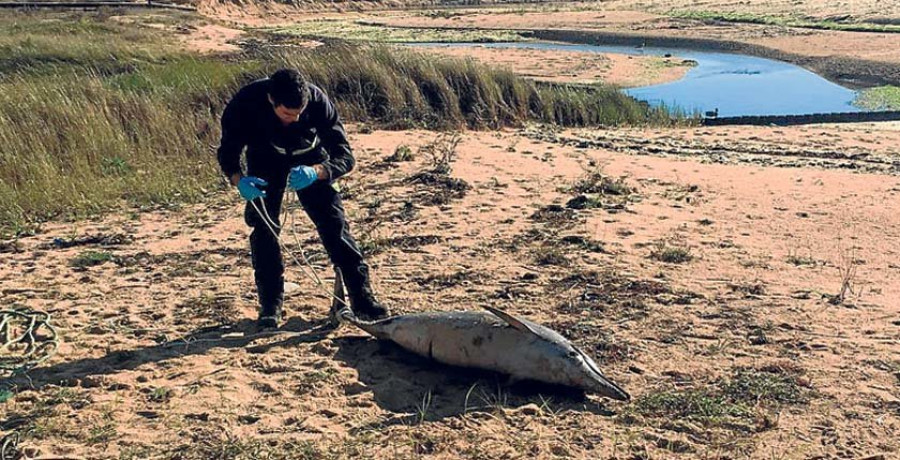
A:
[(492, 340)]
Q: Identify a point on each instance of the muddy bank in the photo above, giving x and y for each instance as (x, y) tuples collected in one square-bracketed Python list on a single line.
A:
[(847, 71), (574, 67)]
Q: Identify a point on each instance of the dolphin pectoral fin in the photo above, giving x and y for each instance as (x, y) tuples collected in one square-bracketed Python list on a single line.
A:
[(511, 320)]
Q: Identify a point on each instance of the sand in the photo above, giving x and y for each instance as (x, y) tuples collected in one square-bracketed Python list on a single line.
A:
[(769, 229)]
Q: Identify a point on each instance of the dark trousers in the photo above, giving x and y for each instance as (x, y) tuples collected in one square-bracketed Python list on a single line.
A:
[(323, 205)]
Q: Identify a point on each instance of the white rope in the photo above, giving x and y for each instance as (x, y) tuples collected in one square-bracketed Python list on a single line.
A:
[(271, 225), (296, 238)]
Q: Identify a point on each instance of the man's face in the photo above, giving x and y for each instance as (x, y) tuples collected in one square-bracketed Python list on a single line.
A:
[(285, 114)]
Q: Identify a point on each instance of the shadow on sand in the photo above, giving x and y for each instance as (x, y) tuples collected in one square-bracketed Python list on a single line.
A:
[(243, 333), (407, 385), (417, 389)]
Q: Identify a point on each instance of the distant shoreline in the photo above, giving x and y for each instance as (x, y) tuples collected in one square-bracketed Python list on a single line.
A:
[(850, 72)]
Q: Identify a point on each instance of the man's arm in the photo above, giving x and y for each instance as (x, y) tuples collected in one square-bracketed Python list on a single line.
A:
[(334, 139), (233, 142)]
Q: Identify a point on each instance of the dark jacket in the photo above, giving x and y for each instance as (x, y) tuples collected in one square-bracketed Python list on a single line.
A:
[(272, 148)]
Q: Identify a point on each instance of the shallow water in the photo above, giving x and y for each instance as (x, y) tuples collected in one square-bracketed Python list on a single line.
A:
[(735, 84)]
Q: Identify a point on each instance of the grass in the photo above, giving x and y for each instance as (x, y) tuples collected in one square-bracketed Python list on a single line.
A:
[(436, 187), (799, 260), (596, 182), (101, 433), (215, 309), (116, 115), (671, 254), (767, 386), (880, 98), (740, 397), (444, 281), (401, 153), (212, 444), (801, 22), (365, 32), (555, 216), (160, 395), (598, 190), (549, 255), (31, 43), (693, 403), (402, 89), (91, 258), (586, 244)]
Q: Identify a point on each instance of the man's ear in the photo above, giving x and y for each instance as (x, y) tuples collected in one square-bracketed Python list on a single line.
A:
[(271, 101)]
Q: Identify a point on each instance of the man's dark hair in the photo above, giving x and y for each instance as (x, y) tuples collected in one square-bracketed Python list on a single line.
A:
[(289, 88)]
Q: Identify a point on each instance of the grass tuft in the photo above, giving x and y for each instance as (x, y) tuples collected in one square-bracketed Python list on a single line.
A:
[(91, 258), (596, 182), (401, 153), (671, 254)]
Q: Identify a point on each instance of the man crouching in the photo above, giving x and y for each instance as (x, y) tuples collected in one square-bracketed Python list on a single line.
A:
[(294, 139)]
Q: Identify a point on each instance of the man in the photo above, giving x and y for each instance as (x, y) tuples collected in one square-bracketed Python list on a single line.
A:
[(294, 139)]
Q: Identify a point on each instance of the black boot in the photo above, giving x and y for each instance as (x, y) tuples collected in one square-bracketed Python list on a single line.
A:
[(268, 271), (362, 300), (366, 307), (269, 317)]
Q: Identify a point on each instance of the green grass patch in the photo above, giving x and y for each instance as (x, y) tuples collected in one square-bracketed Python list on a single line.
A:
[(366, 32), (160, 395), (91, 258), (691, 403), (401, 153), (743, 397), (76, 42), (97, 113), (248, 449), (671, 254), (880, 98), (804, 22), (767, 385)]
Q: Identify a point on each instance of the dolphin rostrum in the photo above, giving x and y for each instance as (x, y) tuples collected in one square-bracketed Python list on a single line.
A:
[(494, 341)]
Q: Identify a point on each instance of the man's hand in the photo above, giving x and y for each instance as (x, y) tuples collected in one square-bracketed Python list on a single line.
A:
[(249, 187), (322, 171), (302, 177)]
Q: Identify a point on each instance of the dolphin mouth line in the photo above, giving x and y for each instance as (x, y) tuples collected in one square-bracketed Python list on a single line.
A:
[(616, 392)]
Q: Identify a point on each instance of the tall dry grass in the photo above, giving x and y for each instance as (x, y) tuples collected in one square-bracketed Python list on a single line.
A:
[(94, 113), (403, 88)]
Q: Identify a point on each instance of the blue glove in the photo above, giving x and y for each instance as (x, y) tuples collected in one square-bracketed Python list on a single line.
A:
[(302, 177), (249, 187)]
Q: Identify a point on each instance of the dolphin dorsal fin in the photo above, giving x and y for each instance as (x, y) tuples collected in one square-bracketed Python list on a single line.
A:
[(512, 320)]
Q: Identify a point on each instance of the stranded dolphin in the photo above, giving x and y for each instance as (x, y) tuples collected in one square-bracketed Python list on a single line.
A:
[(494, 341)]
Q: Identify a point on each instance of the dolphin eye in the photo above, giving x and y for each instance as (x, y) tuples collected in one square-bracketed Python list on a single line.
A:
[(573, 354)]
